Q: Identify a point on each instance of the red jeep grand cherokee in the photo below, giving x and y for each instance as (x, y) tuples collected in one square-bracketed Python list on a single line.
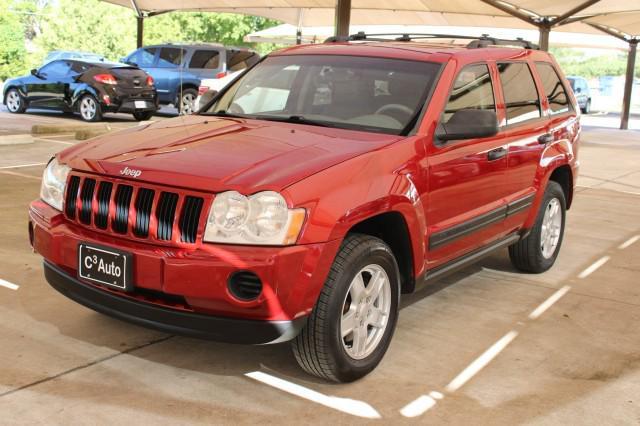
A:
[(312, 191)]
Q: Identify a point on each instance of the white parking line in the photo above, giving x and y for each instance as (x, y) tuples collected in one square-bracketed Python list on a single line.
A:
[(594, 267), (629, 242), (549, 302), (421, 405), (5, 172), (481, 362), (345, 405), (7, 284), (22, 165)]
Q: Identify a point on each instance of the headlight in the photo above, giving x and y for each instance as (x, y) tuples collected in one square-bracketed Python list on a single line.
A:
[(54, 180), (261, 219)]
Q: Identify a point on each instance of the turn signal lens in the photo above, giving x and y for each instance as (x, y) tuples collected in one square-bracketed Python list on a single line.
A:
[(105, 79), (221, 74)]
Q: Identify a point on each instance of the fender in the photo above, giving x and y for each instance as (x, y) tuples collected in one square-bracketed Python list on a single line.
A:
[(359, 189), (557, 154), (79, 91), (21, 87)]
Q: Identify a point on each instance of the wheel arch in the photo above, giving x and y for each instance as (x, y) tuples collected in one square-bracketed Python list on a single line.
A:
[(563, 175), (391, 227)]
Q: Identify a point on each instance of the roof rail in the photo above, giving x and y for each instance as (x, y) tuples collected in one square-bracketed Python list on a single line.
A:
[(476, 42)]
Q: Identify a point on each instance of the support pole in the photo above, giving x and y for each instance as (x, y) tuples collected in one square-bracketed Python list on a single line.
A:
[(140, 40), (543, 42), (628, 84), (343, 18), (299, 28)]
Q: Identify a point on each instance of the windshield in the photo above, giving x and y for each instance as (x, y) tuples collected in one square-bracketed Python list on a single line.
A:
[(360, 93)]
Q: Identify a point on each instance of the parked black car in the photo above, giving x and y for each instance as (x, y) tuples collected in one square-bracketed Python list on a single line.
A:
[(90, 88)]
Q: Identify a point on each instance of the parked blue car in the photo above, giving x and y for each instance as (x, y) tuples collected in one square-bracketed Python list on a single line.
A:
[(178, 68)]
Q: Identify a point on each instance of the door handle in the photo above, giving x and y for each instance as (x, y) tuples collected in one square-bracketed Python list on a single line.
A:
[(496, 154), (545, 139)]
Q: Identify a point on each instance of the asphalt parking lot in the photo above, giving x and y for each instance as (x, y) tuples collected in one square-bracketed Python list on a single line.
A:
[(487, 345)]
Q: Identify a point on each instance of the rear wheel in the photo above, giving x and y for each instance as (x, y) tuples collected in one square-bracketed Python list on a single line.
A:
[(142, 115), (16, 104), (187, 101), (538, 252), (350, 328), (587, 107), (90, 109)]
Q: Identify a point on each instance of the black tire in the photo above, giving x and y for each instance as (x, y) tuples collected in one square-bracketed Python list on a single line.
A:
[(587, 108), (183, 97), (85, 115), (142, 115), (527, 254), (319, 348), (15, 102)]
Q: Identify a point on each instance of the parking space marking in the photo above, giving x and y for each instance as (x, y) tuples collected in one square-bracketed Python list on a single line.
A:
[(20, 174), (629, 242), (594, 267), (535, 314), (54, 141), (7, 284), (482, 361), (421, 405), (19, 166), (345, 405)]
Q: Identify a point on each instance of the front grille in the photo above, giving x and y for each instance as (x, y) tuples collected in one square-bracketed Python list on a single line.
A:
[(132, 210)]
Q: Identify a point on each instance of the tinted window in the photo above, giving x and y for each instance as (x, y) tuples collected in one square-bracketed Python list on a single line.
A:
[(55, 69), (170, 57), (79, 67), (371, 94), (240, 59), (143, 57), (205, 59), (520, 95), (471, 90), (553, 88)]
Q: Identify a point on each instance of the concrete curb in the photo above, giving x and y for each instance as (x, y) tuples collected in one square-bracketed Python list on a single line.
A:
[(49, 129)]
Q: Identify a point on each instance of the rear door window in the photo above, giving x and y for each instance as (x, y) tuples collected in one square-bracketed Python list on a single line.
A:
[(553, 88), (205, 59), (240, 59), (471, 90), (520, 94), (170, 57)]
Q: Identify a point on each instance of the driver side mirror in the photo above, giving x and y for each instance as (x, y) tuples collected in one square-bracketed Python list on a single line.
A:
[(205, 98), (578, 90), (468, 124), (35, 73)]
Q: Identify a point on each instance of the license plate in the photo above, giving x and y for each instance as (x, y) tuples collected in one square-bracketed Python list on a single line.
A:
[(140, 104), (105, 266)]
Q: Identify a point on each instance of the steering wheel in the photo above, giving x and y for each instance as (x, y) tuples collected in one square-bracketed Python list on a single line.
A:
[(395, 107), (234, 108)]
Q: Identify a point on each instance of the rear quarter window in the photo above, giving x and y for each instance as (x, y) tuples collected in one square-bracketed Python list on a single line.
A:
[(553, 88), (520, 93), (205, 59)]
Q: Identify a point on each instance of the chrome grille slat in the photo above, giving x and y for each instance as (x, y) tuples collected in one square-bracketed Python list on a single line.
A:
[(86, 200), (106, 204)]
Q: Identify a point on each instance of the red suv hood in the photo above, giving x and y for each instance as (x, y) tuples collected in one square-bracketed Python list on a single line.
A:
[(215, 154)]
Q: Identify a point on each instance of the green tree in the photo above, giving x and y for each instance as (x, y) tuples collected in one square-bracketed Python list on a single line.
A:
[(12, 48)]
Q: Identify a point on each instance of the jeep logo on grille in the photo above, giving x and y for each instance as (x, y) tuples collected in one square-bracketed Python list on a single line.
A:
[(130, 172)]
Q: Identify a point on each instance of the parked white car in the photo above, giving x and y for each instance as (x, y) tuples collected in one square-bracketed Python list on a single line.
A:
[(213, 84)]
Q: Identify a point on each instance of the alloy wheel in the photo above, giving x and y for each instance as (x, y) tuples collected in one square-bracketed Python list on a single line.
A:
[(551, 228), (88, 108), (13, 101), (365, 311), (187, 104)]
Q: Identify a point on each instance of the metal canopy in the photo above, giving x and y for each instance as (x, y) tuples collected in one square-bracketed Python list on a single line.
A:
[(618, 18)]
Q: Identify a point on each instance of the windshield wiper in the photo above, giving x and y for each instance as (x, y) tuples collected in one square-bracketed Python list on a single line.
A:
[(223, 113), (298, 119)]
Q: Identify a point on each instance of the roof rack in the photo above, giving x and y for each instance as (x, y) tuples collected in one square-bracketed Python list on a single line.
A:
[(476, 42)]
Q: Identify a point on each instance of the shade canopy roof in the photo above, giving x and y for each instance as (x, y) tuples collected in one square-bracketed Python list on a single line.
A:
[(620, 16)]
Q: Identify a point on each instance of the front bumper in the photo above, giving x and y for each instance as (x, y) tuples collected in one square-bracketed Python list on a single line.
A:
[(230, 330), (184, 289)]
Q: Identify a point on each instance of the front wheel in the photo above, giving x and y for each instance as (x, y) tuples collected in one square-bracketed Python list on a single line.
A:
[(15, 102), (587, 107), (538, 252), (350, 328), (90, 109), (187, 101), (142, 115)]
